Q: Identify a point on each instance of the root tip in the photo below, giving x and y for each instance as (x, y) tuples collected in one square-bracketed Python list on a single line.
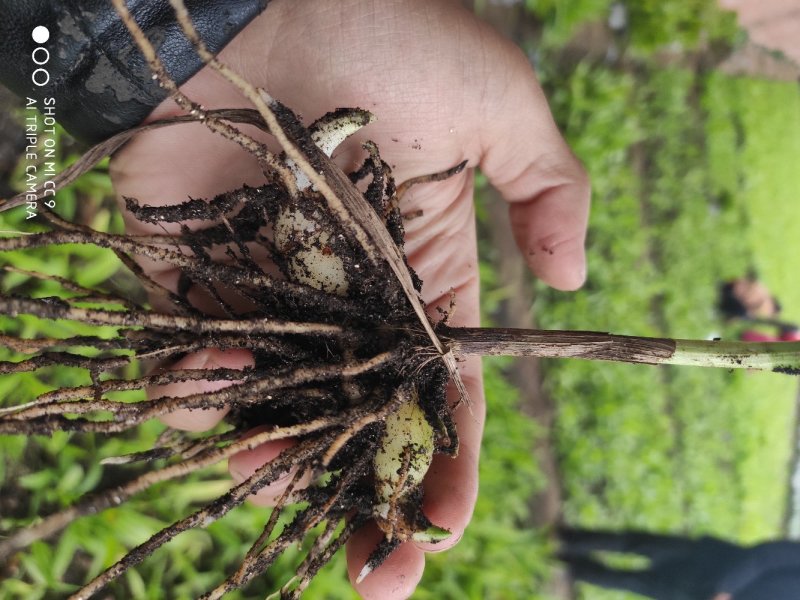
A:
[(363, 573)]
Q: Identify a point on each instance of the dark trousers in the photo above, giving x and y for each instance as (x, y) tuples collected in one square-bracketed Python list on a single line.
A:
[(680, 568)]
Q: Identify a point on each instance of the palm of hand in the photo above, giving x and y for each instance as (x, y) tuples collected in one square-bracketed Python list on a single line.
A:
[(444, 88)]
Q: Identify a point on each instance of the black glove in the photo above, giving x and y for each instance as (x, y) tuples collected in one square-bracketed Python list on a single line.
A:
[(99, 79)]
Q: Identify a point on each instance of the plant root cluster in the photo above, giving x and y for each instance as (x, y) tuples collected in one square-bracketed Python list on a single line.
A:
[(329, 384), (259, 261), (359, 387)]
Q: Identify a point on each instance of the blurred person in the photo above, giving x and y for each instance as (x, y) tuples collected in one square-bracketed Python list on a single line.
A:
[(787, 332), (747, 298), (683, 568)]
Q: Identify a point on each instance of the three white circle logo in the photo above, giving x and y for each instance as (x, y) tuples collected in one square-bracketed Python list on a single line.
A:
[(40, 56)]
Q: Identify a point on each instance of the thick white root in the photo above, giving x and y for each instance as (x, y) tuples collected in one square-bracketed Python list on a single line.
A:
[(330, 131), (405, 452), (310, 260), (305, 244)]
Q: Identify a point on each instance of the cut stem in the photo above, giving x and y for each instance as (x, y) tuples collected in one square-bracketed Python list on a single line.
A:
[(783, 357)]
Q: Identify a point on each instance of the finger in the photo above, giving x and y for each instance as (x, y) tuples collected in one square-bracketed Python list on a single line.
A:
[(451, 485), (451, 488), (550, 229), (527, 160), (395, 579), (443, 250), (243, 464), (210, 358)]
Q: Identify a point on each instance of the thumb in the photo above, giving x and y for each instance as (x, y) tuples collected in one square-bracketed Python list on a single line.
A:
[(527, 160)]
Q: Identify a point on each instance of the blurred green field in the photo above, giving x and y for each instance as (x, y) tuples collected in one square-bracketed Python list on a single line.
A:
[(695, 181), (762, 172)]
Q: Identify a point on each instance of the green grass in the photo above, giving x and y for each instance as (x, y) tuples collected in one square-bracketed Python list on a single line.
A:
[(652, 24), (754, 144), (690, 188), (761, 169)]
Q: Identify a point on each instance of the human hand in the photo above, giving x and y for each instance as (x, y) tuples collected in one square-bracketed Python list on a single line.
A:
[(444, 87)]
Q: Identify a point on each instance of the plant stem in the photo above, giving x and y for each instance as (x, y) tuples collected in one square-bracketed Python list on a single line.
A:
[(782, 357)]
